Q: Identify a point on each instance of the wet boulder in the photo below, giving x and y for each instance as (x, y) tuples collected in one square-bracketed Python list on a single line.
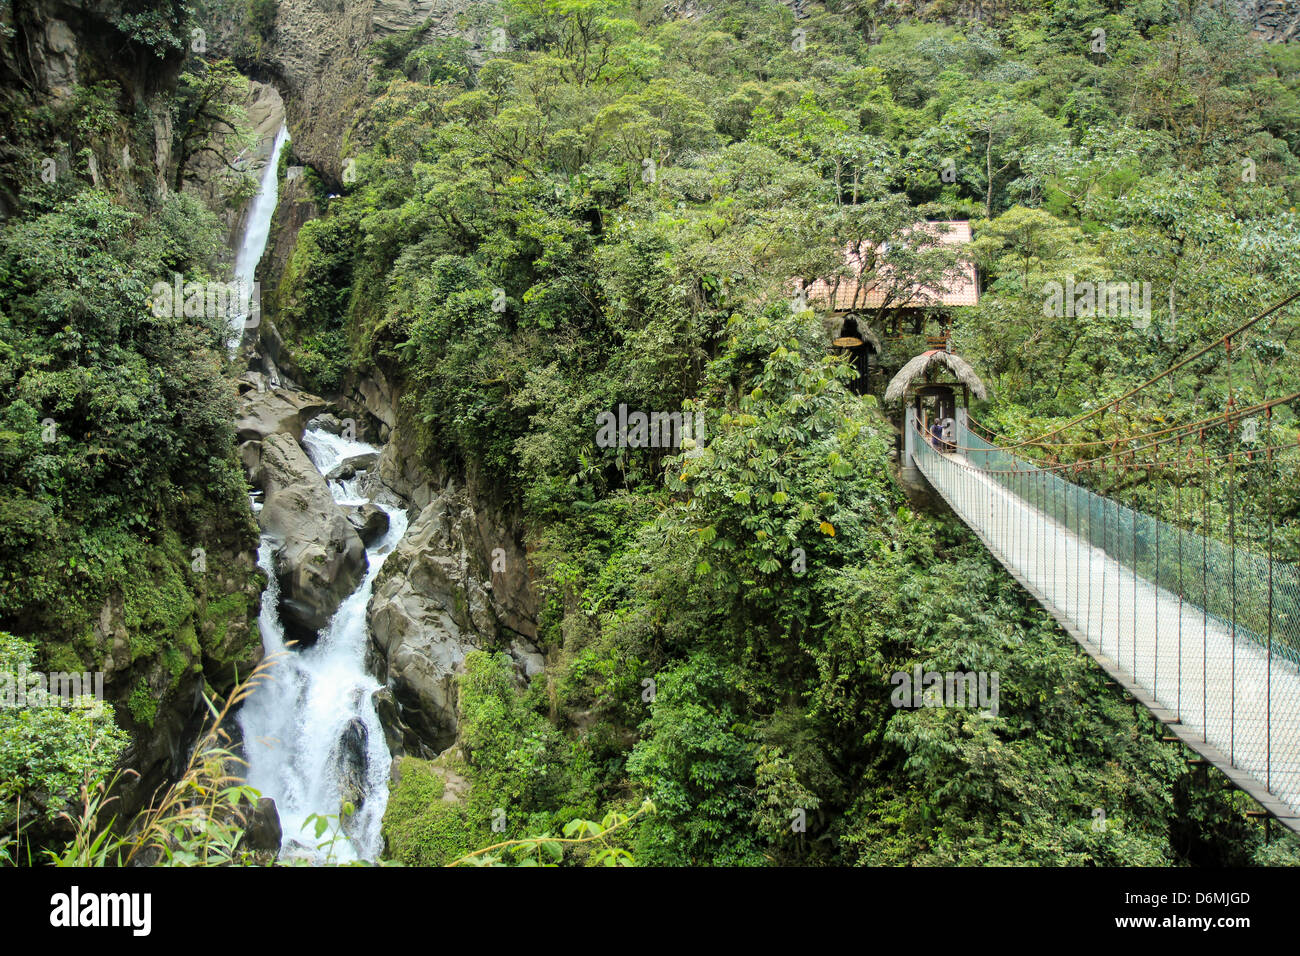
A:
[(266, 411), (352, 464), (262, 832), (320, 558), (352, 756), (370, 521)]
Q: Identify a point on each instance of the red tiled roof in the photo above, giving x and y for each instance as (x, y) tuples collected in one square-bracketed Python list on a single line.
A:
[(959, 289)]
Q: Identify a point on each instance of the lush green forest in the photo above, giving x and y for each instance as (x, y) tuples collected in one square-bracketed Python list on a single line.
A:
[(608, 207)]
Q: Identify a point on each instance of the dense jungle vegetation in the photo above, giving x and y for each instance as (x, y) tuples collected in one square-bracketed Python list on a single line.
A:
[(719, 627), (117, 463), (642, 191)]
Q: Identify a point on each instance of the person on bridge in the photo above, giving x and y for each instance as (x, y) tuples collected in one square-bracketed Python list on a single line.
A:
[(947, 432), (936, 434)]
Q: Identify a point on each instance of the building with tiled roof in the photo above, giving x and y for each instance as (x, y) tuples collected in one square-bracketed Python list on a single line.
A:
[(883, 289), (872, 285)]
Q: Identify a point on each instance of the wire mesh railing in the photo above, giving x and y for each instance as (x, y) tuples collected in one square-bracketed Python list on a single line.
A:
[(1222, 581), (1209, 632)]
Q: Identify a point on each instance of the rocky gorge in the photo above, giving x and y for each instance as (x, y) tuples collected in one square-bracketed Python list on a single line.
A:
[(456, 581)]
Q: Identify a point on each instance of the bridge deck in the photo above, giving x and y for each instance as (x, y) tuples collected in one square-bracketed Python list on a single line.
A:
[(1221, 693)]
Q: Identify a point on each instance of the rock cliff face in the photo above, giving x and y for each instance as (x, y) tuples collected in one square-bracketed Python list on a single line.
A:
[(317, 55), (48, 48), (317, 58), (217, 645), (1277, 21), (200, 574), (451, 587)]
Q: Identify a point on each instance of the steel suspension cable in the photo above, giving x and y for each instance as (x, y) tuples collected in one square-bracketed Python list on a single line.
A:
[(1282, 303)]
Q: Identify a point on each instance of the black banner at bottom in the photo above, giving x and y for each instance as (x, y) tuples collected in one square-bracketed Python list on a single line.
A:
[(129, 906)]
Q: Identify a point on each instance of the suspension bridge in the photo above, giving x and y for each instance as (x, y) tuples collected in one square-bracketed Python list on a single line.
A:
[(1203, 632)]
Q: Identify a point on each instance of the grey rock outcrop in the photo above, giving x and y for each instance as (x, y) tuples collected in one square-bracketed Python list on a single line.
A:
[(436, 600), (328, 422), (376, 395), (57, 57), (370, 521), (269, 361), (1277, 21), (320, 559), (402, 470), (267, 411)]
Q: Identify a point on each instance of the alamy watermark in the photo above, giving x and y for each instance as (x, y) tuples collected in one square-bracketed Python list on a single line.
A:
[(213, 300), (945, 689), (24, 688), (75, 909), (1104, 299), (639, 429)]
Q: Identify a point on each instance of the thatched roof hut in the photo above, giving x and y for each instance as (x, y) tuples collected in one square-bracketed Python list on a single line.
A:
[(925, 364)]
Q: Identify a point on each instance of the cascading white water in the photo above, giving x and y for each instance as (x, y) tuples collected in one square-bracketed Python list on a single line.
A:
[(258, 228), (326, 450), (295, 724), (311, 729)]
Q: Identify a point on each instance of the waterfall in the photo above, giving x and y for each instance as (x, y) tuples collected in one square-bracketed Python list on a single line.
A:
[(312, 737), (257, 230)]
